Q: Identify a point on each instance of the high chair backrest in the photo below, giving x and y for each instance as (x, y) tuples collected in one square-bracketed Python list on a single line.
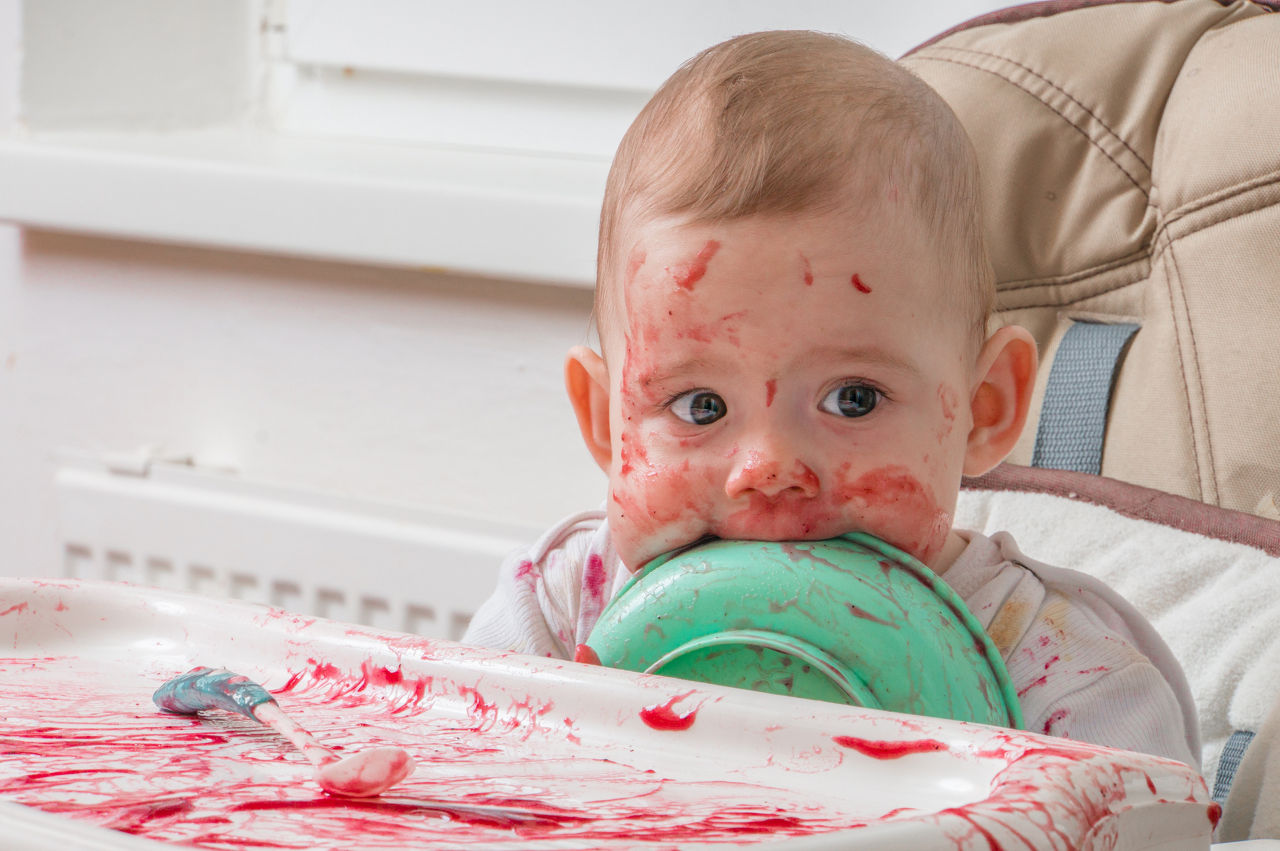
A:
[(1131, 169)]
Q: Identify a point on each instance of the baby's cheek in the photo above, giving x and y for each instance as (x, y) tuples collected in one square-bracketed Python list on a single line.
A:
[(894, 505), (949, 403), (654, 506)]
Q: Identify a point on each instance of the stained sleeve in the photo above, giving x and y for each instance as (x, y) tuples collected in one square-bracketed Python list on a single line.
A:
[(536, 605), (513, 617), (1132, 708)]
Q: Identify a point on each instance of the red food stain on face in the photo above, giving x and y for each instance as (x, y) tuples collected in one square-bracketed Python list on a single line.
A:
[(634, 262), (807, 271), (651, 497), (702, 333), (663, 716), (889, 750), (659, 506), (686, 275), (858, 285), (770, 388), (631, 452), (794, 504), (949, 400), (893, 505)]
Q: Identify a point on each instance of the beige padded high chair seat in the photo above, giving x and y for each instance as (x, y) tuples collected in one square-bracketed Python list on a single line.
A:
[(1131, 168), (1131, 173)]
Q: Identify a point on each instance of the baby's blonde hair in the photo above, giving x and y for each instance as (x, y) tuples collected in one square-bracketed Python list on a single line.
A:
[(794, 121)]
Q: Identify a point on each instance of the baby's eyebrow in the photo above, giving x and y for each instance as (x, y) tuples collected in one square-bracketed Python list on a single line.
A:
[(668, 372), (874, 355)]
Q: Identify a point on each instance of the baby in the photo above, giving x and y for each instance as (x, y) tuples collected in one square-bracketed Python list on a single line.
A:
[(792, 298)]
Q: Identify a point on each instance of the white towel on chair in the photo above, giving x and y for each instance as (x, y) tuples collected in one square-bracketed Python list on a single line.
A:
[(1216, 603)]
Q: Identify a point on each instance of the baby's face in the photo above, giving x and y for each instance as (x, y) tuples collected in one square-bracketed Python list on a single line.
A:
[(784, 378)]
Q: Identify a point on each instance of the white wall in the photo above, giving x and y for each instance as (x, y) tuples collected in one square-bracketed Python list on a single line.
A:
[(379, 384), (392, 385)]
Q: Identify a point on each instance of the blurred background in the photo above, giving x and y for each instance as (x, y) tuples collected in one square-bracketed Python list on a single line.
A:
[(285, 285)]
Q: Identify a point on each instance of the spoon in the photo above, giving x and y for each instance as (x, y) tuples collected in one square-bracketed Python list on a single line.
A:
[(362, 775)]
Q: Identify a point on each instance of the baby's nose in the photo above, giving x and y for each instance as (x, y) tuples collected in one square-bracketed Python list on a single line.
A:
[(771, 475)]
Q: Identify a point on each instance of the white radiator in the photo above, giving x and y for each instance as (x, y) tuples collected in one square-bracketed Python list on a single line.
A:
[(177, 527)]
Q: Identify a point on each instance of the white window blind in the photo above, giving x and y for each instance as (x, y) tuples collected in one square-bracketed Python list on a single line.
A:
[(466, 136), (562, 76)]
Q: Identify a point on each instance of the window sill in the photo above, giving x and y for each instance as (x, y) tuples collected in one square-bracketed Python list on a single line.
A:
[(496, 214)]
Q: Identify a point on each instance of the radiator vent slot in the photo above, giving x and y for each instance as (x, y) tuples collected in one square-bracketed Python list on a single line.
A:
[(182, 529)]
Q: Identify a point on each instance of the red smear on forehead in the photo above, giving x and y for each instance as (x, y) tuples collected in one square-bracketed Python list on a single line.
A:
[(808, 271), (770, 388), (690, 273), (858, 285)]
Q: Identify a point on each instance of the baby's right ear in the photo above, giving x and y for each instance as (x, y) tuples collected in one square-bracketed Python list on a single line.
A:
[(587, 379)]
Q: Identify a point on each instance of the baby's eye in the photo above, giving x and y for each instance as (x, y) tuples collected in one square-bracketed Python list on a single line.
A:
[(850, 400), (699, 407)]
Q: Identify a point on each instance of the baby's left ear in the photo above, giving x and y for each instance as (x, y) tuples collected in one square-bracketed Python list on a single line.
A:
[(1006, 373)]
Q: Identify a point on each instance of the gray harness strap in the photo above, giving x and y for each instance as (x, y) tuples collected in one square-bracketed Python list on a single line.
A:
[(1073, 417), (1229, 762)]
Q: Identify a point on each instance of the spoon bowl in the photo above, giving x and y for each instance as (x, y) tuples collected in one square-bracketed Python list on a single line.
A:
[(365, 774)]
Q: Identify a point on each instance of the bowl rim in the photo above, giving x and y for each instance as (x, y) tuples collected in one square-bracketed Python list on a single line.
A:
[(916, 568)]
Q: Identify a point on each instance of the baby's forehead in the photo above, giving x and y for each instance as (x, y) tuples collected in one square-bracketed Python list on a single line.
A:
[(662, 264)]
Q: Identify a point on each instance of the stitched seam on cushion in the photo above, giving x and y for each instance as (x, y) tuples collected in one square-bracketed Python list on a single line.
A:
[(1114, 134), (1162, 232), (1093, 142), (1220, 197), (1073, 301), (1138, 256), (1195, 362), (1182, 370)]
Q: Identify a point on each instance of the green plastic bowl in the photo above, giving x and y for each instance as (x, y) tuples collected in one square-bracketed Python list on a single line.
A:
[(848, 620)]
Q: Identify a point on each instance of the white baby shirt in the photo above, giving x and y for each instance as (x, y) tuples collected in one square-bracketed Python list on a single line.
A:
[(1084, 663)]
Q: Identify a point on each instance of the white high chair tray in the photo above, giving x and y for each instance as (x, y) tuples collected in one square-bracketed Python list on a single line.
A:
[(572, 756)]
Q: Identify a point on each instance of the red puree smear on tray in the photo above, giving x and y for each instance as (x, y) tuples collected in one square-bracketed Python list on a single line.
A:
[(80, 738), (491, 771), (889, 750), (664, 717)]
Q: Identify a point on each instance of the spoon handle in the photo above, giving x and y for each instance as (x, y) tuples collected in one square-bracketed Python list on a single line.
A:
[(217, 688), (317, 754)]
